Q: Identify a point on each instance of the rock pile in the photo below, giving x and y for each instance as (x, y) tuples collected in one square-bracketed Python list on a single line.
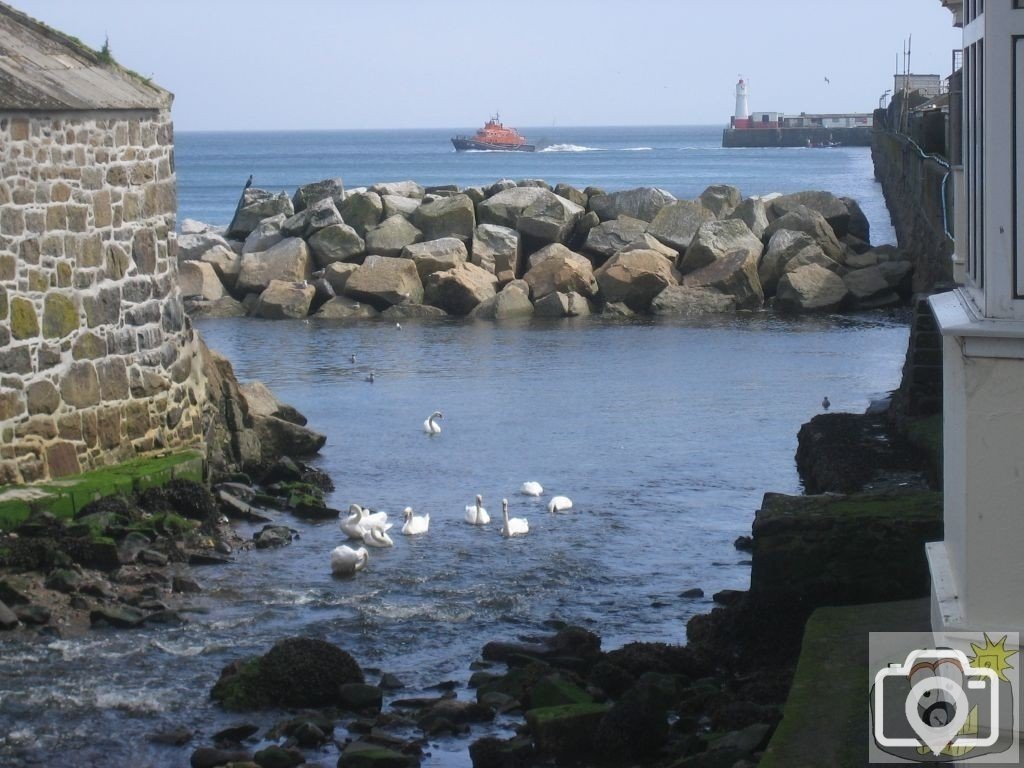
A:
[(524, 248)]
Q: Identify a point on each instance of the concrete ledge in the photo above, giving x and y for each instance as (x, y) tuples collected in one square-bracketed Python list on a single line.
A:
[(825, 720), (65, 497)]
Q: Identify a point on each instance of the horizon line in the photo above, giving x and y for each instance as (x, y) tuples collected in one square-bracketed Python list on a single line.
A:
[(438, 128)]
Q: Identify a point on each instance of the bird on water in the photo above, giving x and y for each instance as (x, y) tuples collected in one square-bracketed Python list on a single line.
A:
[(826, 403), (369, 378), (430, 426)]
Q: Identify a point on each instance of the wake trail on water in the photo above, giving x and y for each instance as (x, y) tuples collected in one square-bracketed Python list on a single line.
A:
[(578, 148)]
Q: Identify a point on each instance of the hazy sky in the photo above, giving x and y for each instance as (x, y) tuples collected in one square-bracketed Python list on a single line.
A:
[(268, 64)]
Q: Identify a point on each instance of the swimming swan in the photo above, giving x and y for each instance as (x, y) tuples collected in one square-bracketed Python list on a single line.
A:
[(377, 537), (532, 488), (513, 526), (346, 561), (430, 426), (559, 504), (359, 521), (476, 514), (415, 524)]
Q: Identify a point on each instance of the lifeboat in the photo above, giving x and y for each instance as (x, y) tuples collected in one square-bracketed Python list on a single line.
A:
[(494, 136)]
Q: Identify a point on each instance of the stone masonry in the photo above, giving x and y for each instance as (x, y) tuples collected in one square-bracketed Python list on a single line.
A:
[(97, 360)]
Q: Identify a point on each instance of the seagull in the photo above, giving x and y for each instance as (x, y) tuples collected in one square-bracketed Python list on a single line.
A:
[(398, 326), (826, 403), (827, 81), (248, 182), (369, 378), (352, 359)]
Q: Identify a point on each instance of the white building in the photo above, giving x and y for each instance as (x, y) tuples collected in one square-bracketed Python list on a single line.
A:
[(978, 570), (929, 85)]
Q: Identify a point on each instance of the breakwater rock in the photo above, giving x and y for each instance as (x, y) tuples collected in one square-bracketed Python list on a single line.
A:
[(522, 248)]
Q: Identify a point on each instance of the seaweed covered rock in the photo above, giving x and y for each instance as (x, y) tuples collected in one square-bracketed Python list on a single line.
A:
[(296, 672)]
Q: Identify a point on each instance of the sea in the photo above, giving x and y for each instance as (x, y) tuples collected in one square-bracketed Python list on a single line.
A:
[(665, 434)]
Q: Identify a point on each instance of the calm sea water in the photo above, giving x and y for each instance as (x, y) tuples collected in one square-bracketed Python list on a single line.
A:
[(664, 433)]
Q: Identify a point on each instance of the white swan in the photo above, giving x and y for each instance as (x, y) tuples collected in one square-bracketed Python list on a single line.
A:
[(430, 426), (559, 504), (359, 521), (414, 524), (513, 526), (377, 537), (346, 561), (532, 488), (476, 514)]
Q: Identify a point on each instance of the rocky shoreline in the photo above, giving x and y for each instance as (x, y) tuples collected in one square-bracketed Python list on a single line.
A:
[(529, 249)]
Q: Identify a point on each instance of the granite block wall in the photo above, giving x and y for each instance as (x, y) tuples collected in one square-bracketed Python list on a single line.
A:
[(98, 362)]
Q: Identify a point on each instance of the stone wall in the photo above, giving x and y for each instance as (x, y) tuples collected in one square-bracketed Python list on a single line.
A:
[(915, 196), (97, 360)]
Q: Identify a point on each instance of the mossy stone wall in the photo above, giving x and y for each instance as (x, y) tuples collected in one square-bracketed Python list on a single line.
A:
[(98, 363)]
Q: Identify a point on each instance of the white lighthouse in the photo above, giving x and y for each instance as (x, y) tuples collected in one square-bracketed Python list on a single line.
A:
[(742, 111)]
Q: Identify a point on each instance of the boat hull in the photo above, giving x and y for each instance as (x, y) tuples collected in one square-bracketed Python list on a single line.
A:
[(463, 144)]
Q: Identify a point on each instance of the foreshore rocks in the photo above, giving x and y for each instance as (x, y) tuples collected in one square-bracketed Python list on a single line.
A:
[(398, 246)]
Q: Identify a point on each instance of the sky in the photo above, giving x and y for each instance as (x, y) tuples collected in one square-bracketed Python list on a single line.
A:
[(335, 64)]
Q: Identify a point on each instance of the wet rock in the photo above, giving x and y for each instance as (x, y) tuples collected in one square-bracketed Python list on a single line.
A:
[(362, 754), (284, 299), (636, 726), (12, 593), (744, 543), (750, 739), (390, 682), (177, 737), (692, 592), (412, 312), (560, 304), (185, 585), (491, 752), (690, 301), (728, 596), (344, 308), (811, 288), (279, 437), (210, 757), (236, 734), (273, 536), (207, 558), (360, 697), (278, 757), (119, 617), (8, 619), (567, 733), (512, 301), (63, 580)]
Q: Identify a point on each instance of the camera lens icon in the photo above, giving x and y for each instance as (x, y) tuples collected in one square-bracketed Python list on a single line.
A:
[(937, 706)]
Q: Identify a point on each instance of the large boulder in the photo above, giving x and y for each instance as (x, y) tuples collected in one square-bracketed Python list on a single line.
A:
[(199, 278), (610, 237), (361, 211), (297, 672), (834, 210), (689, 301), (754, 213), (409, 189), (496, 249), (308, 194), (640, 203), (558, 304), (715, 239), (196, 245), (255, 206), (550, 219), (383, 280), (436, 255), (266, 235), (289, 260), (460, 289), (867, 283), (320, 215), (413, 312), (345, 308), (570, 192), (635, 278), (396, 204), (391, 236), (506, 206), (859, 226), (720, 199), (800, 218), (338, 242), (810, 288), (282, 300), (512, 301), (338, 273), (446, 217), (676, 224), (783, 246), (560, 270), (263, 402), (648, 243), (734, 274)]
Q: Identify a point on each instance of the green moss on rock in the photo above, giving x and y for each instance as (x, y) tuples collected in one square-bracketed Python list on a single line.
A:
[(24, 323), (60, 316)]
